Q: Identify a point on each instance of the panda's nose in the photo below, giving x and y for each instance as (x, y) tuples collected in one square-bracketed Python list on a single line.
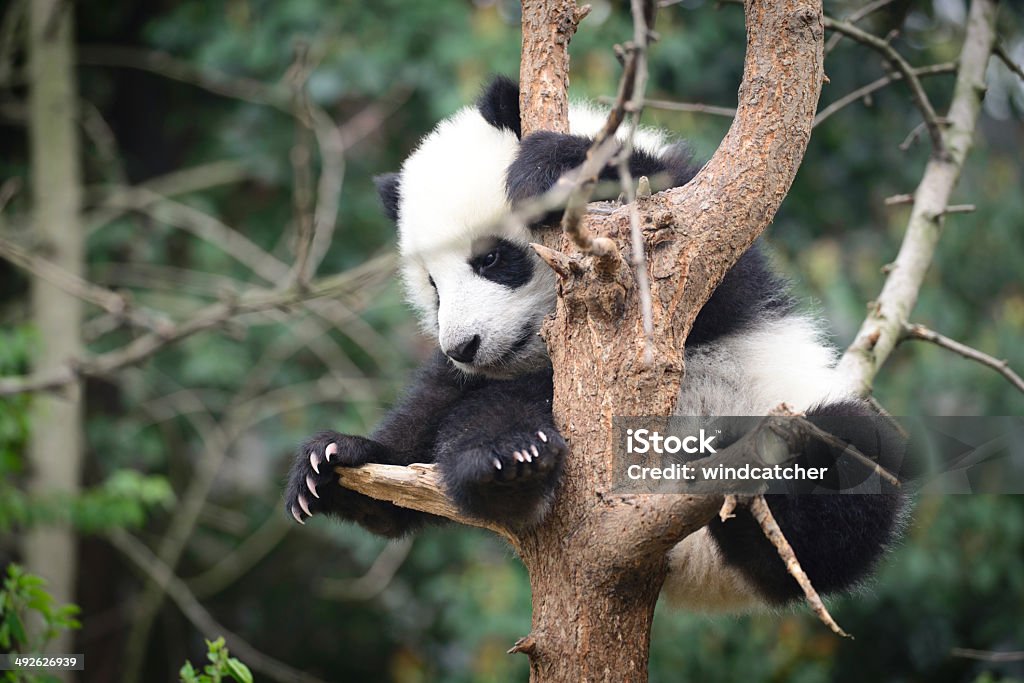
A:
[(465, 351)]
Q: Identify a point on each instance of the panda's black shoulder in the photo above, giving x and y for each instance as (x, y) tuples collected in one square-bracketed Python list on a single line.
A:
[(750, 293)]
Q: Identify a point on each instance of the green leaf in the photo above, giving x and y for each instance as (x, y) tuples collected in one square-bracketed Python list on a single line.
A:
[(240, 672), (187, 674), (17, 628)]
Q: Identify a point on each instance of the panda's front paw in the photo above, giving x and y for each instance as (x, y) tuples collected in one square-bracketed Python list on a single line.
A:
[(313, 484), (508, 479), (518, 457)]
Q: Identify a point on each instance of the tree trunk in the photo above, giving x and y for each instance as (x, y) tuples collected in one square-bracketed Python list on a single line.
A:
[(55, 444), (598, 563)]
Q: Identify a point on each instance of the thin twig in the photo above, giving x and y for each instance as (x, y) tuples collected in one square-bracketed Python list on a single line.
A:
[(253, 549), (987, 655), (602, 150), (873, 86), (853, 18), (915, 331), (695, 107), (302, 164), (114, 303), (763, 514), (1000, 52), (643, 11), (375, 580), (901, 65)]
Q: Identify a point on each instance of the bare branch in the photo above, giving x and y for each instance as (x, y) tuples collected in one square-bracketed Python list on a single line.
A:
[(236, 87), (866, 90), (900, 64), (548, 26), (763, 514), (302, 164), (641, 10), (987, 655), (376, 578), (114, 303), (694, 107), (854, 17), (883, 326), (416, 486), (252, 549), (1001, 366), (1000, 52)]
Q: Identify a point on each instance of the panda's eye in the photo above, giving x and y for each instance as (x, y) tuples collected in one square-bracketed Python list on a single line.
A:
[(490, 259)]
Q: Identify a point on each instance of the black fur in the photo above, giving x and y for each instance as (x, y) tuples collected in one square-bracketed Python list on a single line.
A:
[(503, 262), (389, 187), (545, 156), (499, 105), (463, 424), (837, 538)]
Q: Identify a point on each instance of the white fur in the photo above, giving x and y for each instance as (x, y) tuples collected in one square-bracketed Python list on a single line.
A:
[(780, 360), (699, 579)]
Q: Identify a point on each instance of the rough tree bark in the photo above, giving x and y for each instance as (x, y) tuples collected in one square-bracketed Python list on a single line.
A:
[(597, 564), (54, 451)]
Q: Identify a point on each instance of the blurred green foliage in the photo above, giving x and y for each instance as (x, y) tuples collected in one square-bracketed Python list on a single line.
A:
[(23, 597), (459, 599)]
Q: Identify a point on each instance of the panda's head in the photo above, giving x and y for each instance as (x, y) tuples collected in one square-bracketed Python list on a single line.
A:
[(479, 288)]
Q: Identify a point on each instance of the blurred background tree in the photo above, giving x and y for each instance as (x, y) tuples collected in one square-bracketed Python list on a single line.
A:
[(199, 129)]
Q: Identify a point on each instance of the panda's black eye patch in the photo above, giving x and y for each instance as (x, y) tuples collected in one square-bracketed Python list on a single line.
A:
[(503, 262)]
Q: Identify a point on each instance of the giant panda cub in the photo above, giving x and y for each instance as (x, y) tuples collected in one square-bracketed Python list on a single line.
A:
[(480, 408)]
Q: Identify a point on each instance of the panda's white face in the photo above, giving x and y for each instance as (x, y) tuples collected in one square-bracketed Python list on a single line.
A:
[(480, 289)]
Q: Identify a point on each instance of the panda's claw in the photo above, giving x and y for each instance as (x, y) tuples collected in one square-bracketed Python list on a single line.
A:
[(533, 449), (497, 463), (304, 504), (311, 485), (314, 462), (330, 450), (297, 515), (518, 456), (542, 436)]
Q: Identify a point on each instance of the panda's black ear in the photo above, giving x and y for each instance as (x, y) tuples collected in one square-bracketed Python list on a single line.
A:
[(499, 105), (388, 189)]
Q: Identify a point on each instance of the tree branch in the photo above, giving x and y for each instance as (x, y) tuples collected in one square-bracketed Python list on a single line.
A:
[(883, 326), (548, 26), (416, 486), (1001, 366)]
